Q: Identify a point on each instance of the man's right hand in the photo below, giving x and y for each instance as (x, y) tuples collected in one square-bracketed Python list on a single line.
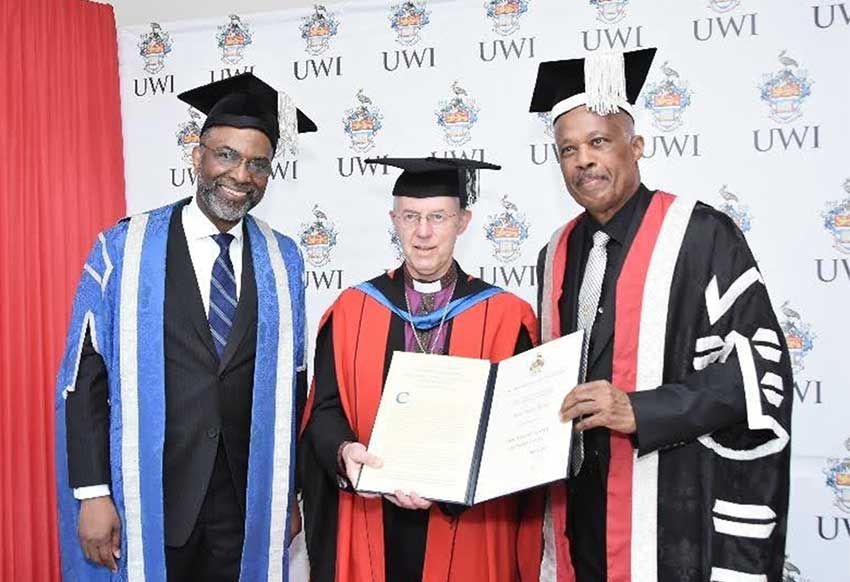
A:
[(354, 456), (99, 530)]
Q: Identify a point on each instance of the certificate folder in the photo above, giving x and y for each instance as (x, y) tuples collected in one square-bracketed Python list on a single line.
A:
[(463, 430)]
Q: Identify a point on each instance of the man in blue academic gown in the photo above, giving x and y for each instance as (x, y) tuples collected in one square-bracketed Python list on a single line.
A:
[(184, 370)]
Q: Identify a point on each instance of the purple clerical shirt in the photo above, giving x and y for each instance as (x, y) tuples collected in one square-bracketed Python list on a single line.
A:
[(433, 343)]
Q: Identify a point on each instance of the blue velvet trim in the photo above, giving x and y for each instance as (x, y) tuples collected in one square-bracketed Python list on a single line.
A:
[(151, 390), (255, 552), (432, 319)]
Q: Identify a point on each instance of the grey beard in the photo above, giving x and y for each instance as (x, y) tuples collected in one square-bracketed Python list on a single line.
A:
[(225, 209)]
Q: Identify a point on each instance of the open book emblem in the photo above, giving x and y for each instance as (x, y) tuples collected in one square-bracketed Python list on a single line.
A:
[(537, 365)]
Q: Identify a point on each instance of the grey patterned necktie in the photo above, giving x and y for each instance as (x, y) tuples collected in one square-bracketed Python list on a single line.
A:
[(588, 303)]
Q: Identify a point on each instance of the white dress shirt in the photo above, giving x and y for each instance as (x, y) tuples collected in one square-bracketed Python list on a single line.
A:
[(203, 250)]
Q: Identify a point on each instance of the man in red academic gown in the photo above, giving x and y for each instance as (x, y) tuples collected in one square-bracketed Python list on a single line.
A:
[(427, 305)]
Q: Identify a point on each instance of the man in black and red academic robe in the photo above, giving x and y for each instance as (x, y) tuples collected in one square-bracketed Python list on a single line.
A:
[(680, 463)]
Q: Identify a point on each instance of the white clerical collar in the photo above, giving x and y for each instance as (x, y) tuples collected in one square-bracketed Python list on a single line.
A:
[(429, 287), (198, 226)]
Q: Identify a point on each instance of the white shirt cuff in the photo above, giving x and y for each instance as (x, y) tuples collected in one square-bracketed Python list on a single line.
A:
[(91, 492)]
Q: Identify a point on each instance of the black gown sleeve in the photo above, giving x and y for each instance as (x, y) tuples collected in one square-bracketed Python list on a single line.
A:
[(87, 421), (674, 414), (300, 396), (523, 341), (541, 268), (300, 403), (328, 428), (743, 349), (317, 461)]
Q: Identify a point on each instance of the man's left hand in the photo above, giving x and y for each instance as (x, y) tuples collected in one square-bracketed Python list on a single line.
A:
[(600, 404)]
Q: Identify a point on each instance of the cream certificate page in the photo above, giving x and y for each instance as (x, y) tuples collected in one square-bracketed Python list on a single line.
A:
[(426, 427), (527, 444)]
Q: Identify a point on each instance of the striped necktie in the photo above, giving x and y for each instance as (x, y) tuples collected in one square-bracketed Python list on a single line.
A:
[(222, 293), (588, 304)]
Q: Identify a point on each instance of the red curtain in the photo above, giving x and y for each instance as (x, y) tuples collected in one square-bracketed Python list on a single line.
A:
[(61, 182)]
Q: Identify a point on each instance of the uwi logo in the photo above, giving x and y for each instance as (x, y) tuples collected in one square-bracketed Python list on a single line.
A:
[(505, 14), (189, 135), (232, 39), (785, 90), (798, 336), (361, 123), (610, 11), (457, 116), (153, 48), (318, 238), (836, 219), (507, 231), (407, 20), (318, 28), (722, 6), (545, 117), (667, 100), (837, 473), (734, 209)]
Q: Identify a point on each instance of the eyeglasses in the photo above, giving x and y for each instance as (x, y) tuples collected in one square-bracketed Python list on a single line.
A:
[(231, 159), (435, 219)]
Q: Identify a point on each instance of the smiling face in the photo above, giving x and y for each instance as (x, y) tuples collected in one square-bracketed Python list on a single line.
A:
[(599, 159), (227, 166), (429, 247)]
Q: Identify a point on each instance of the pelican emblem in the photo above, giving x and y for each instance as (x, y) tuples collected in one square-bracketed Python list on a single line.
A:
[(457, 116), (837, 474), (407, 20), (506, 231), (318, 238), (668, 99), (837, 220), (734, 209), (189, 135), (318, 28), (362, 122), (153, 48), (786, 60), (232, 39), (798, 336), (785, 90)]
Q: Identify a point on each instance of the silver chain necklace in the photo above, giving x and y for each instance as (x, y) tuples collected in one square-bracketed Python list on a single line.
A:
[(439, 329)]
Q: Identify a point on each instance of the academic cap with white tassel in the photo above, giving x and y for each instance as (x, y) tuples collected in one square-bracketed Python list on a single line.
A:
[(603, 82)]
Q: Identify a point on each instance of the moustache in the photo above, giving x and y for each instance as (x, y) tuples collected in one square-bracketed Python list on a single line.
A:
[(586, 176)]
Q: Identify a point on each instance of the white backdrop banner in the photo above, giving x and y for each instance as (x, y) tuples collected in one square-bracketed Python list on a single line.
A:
[(746, 108)]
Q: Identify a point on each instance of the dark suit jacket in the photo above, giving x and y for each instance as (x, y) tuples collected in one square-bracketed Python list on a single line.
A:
[(207, 400)]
